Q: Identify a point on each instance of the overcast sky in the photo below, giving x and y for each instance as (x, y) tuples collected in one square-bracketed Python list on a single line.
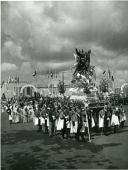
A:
[(43, 35)]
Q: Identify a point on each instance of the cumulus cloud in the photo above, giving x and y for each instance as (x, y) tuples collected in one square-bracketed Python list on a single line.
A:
[(26, 68), (8, 67), (46, 33), (45, 67), (13, 50)]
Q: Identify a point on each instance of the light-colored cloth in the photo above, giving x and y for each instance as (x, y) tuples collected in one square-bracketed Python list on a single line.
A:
[(101, 122), (83, 127), (17, 118), (60, 124), (68, 124), (109, 122), (124, 116), (101, 119), (13, 117), (35, 121), (114, 120), (10, 117), (93, 123), (42, 120), (47, 121), (74, 128)]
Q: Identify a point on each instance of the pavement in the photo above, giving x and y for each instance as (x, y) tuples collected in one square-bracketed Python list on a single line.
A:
[(23, 148)]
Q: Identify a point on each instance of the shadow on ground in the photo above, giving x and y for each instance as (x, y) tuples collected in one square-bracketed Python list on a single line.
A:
[(53, 152)]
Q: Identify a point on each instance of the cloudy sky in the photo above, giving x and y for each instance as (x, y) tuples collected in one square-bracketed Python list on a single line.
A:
[(43, 35)]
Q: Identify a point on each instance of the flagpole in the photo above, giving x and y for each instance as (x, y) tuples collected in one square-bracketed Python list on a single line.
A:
[(56, 84), (52, 85), (48, 81)]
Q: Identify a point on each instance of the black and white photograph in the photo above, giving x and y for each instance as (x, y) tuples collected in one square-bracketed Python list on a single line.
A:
[(64, 85)]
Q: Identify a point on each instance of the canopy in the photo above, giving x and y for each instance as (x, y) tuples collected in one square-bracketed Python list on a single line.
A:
[(75, 97)]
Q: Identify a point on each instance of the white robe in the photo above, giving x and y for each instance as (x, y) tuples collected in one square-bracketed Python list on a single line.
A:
[(10, 117), (85, 124), (114, 120), (42, 120), (35, 121), (74, 128), (101, 122), (92, 123), (60, 124)]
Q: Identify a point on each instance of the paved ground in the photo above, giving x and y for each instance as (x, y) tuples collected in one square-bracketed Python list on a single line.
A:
[(25, 149)]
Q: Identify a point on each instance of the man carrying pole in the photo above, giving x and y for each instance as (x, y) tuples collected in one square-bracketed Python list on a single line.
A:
[(89, 136)]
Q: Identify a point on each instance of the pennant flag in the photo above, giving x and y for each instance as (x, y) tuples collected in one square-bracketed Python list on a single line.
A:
[(55, 74), (12, 80), (104, 72), (16, 79), (109, 73), (34, 74), (51, 74), (112, 78)]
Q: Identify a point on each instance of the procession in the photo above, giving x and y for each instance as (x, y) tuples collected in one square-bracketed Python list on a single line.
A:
[(52, 115), (64, 85)]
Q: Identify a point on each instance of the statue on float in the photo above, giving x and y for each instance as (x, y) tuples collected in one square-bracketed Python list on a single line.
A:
[(84, 72)]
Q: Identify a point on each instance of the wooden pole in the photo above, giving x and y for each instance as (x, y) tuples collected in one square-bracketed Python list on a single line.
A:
[(89, 137)]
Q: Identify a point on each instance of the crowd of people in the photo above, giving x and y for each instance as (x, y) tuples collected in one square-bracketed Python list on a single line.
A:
[(70, 118)]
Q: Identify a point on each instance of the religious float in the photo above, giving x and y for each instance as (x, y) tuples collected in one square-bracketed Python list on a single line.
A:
[(83, 80)]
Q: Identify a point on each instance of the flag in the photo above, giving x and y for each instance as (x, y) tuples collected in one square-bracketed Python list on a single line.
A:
[(34, 74), (15, 79), (104, 72), (112, 78), (51, 74), (9, 80), (55, 74), (18, 79), (109, 73), (12, 80)]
